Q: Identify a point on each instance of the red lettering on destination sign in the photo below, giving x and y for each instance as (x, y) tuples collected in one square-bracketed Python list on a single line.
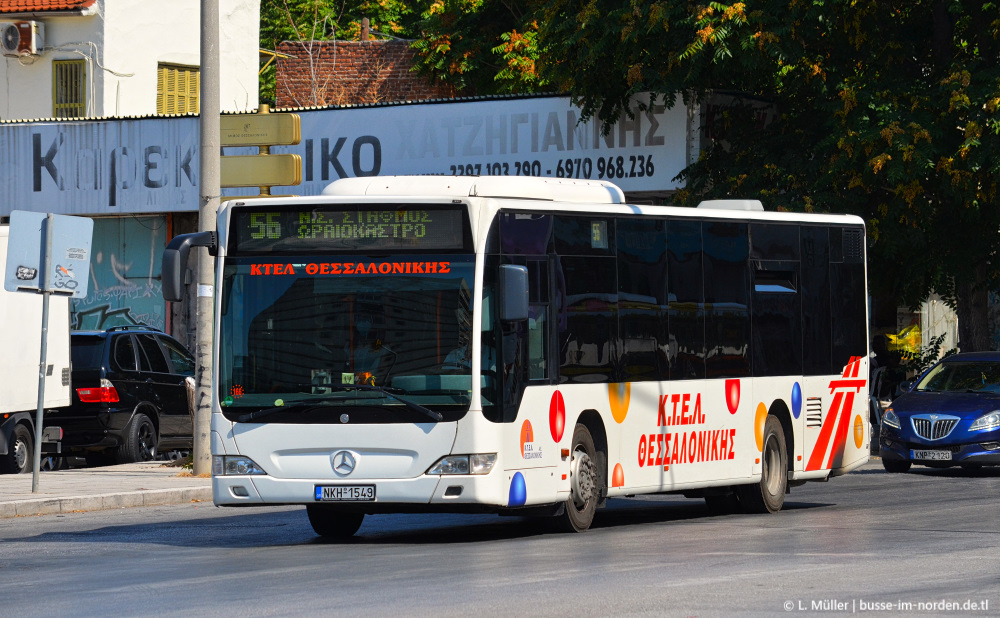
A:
[(357, 268)]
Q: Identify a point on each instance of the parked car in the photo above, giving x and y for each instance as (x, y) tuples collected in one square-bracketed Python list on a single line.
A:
[(130, 395), (950, 416)]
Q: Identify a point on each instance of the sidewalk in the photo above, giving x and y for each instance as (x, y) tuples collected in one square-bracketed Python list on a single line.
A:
[(94, 489)]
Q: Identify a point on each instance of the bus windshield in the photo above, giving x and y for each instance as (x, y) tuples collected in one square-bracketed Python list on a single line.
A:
[(296, 333)]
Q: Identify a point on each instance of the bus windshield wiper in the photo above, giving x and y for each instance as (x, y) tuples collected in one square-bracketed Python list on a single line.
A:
[(392, 393)]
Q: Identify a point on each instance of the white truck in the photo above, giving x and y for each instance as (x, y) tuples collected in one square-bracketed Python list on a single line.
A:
[(20, 347)]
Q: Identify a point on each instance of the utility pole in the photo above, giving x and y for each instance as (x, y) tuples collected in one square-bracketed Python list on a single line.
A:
[(209, 186)]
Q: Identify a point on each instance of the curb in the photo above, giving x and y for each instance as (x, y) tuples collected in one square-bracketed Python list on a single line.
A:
[(104, 502)]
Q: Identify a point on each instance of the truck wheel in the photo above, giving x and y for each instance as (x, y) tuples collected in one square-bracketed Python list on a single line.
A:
[(332, 523), (140, 441), (20, 452)]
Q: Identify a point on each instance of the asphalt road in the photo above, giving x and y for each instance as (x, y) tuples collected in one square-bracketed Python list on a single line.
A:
[(859, 544)]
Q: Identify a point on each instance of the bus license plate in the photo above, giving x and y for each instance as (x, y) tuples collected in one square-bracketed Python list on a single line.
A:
[(931, 455), (345, 493)]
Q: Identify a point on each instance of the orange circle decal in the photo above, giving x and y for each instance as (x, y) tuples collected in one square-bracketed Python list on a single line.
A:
[(527, 435), (618, 477), (618, 396), (758, 425), (859, 431)]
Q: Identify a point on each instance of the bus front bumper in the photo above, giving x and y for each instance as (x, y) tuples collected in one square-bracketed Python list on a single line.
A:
[(391, 495)]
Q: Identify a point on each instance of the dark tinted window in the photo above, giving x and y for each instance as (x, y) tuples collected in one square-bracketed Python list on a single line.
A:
[(774, 241), (124, 353), (777, 334), (87, 352), (587, 316), (847, 296), (182, 361), (150, 356), (814, 286), (727, 316), (524, 234), (685, 300), (583, 235), (642, 299)]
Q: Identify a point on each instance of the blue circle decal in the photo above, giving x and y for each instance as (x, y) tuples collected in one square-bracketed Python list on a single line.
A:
[(796, 400), (518, 492)]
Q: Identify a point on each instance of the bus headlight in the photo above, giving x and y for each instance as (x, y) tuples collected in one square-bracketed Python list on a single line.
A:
[(234, 465), (477, 463)]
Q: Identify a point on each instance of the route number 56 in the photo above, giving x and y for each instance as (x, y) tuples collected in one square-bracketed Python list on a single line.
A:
[(265, 225)]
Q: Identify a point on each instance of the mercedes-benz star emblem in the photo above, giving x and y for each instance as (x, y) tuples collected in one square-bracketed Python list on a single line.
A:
[(343, 462)]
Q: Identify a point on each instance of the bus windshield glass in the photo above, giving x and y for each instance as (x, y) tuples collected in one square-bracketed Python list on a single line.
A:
[(305, 338)]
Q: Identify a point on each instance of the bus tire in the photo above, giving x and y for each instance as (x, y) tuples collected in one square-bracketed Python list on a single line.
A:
[(768, 496), (20, 452), (333, 523), (585, 492)]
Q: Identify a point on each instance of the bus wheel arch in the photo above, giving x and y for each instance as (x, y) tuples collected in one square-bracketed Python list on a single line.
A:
[(779, 410), (591, 419), (588, 473), (768, 495)]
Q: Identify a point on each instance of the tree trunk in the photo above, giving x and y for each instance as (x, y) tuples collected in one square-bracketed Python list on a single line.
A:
[(973, 312)]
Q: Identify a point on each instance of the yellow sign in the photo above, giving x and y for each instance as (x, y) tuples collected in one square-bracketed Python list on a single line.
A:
[(261, 129), (261, 170)]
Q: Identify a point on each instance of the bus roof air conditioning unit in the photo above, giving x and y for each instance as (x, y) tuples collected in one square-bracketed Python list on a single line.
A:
[(21, 38)]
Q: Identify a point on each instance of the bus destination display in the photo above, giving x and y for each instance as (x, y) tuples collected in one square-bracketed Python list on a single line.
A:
[(342, 229)]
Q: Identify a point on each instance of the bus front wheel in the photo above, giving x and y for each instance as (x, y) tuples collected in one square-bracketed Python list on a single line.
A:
[(585, 490), (333, 523), (768, 496)]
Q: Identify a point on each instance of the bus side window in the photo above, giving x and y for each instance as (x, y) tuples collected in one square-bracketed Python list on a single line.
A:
[(537, 337), (538, 306)]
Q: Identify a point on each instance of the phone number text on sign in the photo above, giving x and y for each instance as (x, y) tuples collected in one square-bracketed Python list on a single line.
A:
[(632, 166)]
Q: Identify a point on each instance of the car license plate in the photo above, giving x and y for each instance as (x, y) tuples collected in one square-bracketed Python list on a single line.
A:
[(931, 455), (345, 493)]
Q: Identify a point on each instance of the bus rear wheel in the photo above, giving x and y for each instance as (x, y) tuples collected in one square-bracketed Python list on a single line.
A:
[(585, 490), (768, 496), (333, 523)]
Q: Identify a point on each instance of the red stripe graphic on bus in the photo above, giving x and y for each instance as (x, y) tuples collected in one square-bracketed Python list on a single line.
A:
[(843, 401)]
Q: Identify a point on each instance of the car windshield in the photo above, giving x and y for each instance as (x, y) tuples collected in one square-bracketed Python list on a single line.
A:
[(962, 376), (298, 332)]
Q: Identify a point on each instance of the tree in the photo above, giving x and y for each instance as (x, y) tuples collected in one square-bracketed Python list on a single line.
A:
[(481, 46), (885, 108), (307, 21)]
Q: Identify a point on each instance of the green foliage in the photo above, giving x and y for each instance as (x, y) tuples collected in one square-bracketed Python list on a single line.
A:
[(917, 364), (325, 20), (887, 109), (481, 46)]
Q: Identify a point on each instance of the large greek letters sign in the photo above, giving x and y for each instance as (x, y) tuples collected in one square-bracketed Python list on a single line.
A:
[(106, 167)]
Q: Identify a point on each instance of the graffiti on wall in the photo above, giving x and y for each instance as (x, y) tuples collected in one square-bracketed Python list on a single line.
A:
[(125, 284)]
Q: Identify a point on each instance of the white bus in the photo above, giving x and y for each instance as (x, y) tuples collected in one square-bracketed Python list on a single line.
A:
[(527, 346)]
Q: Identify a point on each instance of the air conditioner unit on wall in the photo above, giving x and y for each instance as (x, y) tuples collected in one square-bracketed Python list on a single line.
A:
[(21, 38)]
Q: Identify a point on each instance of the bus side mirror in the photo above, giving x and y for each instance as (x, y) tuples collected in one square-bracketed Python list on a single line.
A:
[(175, 258), (514, 285)]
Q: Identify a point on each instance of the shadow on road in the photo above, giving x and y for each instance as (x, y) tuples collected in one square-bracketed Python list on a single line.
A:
[(289, 526)]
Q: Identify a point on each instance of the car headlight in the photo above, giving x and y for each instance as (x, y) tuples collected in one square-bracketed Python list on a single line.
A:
[(890, 419), (478, 463), (234, 465), (988, 421)]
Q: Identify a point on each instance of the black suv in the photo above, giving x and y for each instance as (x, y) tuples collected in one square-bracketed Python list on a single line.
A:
[(130, 395)]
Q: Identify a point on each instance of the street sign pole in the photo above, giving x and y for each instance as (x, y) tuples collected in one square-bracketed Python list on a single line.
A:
[(44, 288), (209, 153)]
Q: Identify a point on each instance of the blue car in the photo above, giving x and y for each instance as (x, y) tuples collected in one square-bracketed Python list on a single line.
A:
[(949, 417)]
